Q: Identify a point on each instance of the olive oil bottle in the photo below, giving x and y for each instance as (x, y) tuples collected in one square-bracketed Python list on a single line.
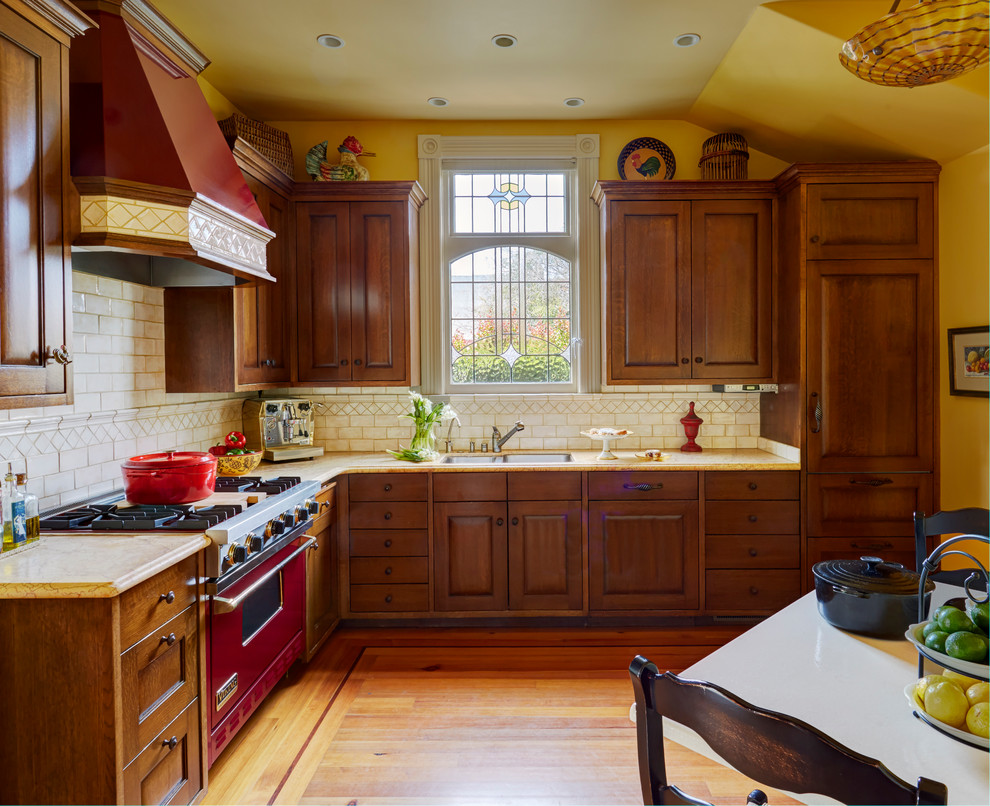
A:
[(14, 524), (32, 514)]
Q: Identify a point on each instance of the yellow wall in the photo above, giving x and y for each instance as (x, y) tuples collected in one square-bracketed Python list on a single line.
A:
[(964, 295), (394, 142)]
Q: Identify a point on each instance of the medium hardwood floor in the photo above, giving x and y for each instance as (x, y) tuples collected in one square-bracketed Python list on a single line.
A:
[(465, 716)]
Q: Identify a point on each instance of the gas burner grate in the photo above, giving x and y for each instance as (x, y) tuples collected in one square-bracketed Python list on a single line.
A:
[(142, 517), (75, 519), (255, 484)]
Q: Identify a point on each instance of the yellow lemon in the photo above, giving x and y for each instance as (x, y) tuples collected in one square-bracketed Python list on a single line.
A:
[(925, 682), (960, 678), (978, 719), (978, 692), (947, 703)]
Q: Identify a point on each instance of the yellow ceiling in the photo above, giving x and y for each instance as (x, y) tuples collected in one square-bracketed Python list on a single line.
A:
[(769, 70)]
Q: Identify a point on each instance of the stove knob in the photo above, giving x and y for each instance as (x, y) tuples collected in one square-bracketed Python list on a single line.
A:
[(302, 514), (257, 543), (288, 519), (274, 527), (313, 507), (240, 553)]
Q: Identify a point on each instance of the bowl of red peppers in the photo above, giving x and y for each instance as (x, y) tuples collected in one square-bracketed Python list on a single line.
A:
[(233, 457)]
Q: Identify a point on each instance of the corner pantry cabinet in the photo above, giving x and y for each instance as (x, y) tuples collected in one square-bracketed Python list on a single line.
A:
[(688, 281), (357, 283), (35, 275)]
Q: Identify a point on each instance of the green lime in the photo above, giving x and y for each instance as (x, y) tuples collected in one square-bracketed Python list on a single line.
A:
[(951, 620), (978, 613), (929, 628), (936, 640), (964, 645)]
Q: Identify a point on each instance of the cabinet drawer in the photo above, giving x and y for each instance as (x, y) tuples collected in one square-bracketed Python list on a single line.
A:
[(469, 487), (389, 543), (389, 598), (892, 549), (751, 485), (388, 515), (170, 768), (752, 551), (764, 591), (875, 504), (642, 485), (752, 517), (156, 600), (551, 485), (391, 570), (158, 680), (387, 487)]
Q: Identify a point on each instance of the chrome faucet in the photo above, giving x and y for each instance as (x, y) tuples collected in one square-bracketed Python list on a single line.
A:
[(448, 444), (498, 440)]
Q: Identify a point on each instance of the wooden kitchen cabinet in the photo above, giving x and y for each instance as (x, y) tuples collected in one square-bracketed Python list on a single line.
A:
[(106, 694), (35, 271), (689, 281), (357, 290), (227, 339), (322, 593)]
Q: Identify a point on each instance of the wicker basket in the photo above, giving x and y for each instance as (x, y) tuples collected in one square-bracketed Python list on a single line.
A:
[(724, 156), (269, 141)]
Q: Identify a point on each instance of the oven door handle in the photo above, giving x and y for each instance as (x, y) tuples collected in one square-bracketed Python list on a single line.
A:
[(223, 605)]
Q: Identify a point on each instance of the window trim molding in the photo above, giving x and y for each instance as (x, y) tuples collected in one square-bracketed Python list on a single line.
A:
[(433, 150)]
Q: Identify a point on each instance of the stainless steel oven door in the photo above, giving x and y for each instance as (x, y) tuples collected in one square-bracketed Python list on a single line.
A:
[(255, 631)]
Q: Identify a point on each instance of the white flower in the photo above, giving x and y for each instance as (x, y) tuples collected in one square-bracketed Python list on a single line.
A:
[(449, 414)]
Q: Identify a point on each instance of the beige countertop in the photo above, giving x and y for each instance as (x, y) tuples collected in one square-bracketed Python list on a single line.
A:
[(79, 565)]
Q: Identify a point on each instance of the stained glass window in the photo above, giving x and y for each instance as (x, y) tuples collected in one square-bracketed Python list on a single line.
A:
[(510, 202)]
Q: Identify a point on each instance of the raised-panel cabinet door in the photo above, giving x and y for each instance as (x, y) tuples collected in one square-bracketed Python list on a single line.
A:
[(263, 312), (648, 289), (545, 562), (643, 555), (322, 590), (379, 291), (34, 272), (870, 366), (323, 291), (888, 221), (867, 504), (470, 556), (731, 273)]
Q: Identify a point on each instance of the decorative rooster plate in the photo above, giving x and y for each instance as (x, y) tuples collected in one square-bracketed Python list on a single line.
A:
[(646, 159)]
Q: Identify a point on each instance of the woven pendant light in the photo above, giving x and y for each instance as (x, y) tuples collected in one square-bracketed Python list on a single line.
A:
[(933, 41)]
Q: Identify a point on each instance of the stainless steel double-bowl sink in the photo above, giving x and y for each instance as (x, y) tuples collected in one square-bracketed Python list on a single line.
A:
[(507, 459)]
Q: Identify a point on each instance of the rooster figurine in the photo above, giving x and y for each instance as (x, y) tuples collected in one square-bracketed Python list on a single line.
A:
[(649, 168), (348, 170)]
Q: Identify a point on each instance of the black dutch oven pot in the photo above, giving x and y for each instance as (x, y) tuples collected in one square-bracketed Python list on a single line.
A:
[(869, 596)]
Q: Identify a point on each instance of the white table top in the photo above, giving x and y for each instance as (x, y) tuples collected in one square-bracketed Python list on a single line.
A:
[(848, 686)]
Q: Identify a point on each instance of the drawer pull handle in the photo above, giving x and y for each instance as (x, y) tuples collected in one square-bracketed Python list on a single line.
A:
[(515, 521), (388, 488), (388, 516), (388, 571), (645, 488), (872, 482), (388, 599), (872, 546), (754, 590), (168, 639), (819, 413), (753, 485), (498, 521), (753, 552), (168, 598), (388, 544), (170, 743), (752, 518)]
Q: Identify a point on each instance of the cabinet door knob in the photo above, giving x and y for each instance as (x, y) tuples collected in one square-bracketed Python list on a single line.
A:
[(168, 598), (815, 239), (168, 639), (684, 361), (498, 521), (60, 355), (752, 518), (388, 488), (343, 362), (515, 521), (754, 590), (388, 598), (388, 571), (753, 552), (698, 359), (357, 362), (388, 516), (753, 485), (170, 743), (388, 544)]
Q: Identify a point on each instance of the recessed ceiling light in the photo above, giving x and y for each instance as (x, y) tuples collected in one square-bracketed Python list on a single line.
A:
[(330, 41), (504, 41), (686, 40), (437, 101), (574, 102)]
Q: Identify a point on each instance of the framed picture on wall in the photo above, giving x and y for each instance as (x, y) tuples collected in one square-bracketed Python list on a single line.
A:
[(969, 354)]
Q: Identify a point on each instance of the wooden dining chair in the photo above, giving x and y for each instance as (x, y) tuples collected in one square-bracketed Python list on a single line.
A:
[(773, 749), (969, 521)]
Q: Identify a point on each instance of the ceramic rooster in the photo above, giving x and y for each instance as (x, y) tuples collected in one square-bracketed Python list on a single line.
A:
[(649, 168), (348, 170)]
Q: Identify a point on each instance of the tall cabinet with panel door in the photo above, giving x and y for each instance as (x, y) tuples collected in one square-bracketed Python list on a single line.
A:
[(859, 384), (35, 274)]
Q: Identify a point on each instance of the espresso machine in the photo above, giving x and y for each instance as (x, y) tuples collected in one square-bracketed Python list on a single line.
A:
[(283, 428)]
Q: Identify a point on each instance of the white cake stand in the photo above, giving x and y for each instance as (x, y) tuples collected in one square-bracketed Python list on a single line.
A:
[(606, 440)]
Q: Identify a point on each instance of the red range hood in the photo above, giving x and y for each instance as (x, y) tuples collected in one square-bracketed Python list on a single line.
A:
[(162, 201)]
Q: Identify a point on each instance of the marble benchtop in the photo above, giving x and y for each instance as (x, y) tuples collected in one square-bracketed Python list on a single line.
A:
[(86, 565)]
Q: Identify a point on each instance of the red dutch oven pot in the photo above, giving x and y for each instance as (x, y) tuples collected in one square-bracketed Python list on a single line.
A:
[(174, 477)]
